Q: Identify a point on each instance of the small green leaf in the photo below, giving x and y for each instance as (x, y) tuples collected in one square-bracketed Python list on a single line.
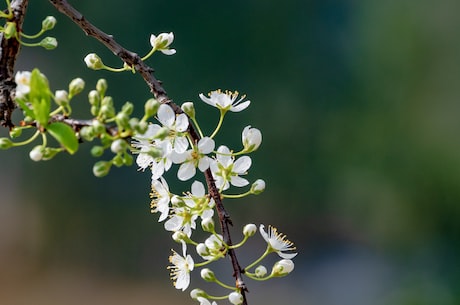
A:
[(65, 135), (40, 97)]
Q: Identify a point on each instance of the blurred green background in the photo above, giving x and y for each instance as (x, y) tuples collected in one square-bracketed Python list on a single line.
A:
[(358, 103)]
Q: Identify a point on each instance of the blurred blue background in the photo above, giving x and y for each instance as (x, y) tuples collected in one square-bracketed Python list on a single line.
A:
[(359, 105)]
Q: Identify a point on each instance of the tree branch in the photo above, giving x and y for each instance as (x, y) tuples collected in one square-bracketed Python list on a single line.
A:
[(9, 50)]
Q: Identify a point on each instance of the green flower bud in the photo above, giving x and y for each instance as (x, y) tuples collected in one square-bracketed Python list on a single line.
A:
[(179, 236), (93, 61), (49, 153), (97, 151), (189, 109), (128, 159), (207, 275), (94, 110), (202, 250), (101, 168), (195, 293), (142, 127), (118, 146), (15, 132), (258, 187), (101, 86), (48, 23), (98, 126), (10, 30), (261, 271), (49, 43), (106, 140), (61, 97), (128, 108), (5, 143), (122, 120), (151, 107), (207, 224), (87, 133), (118, 161), (76, 86), (107, 111), (249, 230), (94, 98), (282, 268)]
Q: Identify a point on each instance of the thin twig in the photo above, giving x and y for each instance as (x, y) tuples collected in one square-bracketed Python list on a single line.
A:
[(9, 50), (133, 60)]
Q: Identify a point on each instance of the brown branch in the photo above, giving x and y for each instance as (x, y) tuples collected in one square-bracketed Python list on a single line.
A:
[(9, 50), (133, 60)]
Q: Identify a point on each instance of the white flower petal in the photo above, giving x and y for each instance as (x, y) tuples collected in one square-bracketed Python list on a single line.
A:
[(204, 162), (173, 224), (240, 107), (181, 122), (242, 165), (186, 171), (198, 189), (166, 115), (238, 181), (158, 170), (206, 145), (180, 144)]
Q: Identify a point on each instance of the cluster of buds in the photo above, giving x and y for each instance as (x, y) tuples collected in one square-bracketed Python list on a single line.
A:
[(10, 30)]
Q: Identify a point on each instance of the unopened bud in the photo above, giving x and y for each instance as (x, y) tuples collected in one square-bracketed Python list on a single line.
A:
[(61, 97), (93, 61), (258, 187), (261, 271), (189, 109), (282, 267), (151, 107), (5, 143), (235, 298), (207, 275), (196, 293), (76, 86), (249, 230), (49, 43), (101, 86), (208, 224), (36, 154), (97, 151), (48, 23), (118, 146), (101, 168), (15, 132)]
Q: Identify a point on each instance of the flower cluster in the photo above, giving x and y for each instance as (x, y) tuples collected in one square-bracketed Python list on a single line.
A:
[(169, 143)]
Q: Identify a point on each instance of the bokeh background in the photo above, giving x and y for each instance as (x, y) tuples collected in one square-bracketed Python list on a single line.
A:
[(359, 105)]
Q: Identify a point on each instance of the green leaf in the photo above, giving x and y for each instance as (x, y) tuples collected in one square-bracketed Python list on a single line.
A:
[(65, 135), (40, 97)]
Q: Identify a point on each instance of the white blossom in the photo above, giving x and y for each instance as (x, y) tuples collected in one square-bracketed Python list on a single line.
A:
[(278, 242), (227, 171), (225, 101), (160, 198), (177, 126), (22, 79), (180, 270), (162, 43), (193, 158)]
